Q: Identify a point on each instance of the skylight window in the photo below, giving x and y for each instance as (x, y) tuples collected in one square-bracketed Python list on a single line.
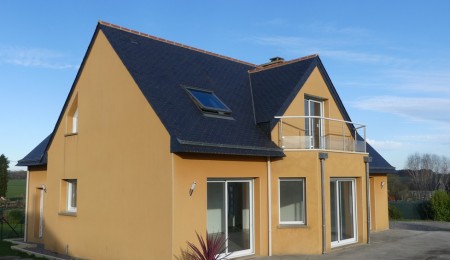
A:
[(208, 102)]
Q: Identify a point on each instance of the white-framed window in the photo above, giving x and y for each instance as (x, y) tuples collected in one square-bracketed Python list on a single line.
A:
[(75, 121), (71, 195), (292, 201)]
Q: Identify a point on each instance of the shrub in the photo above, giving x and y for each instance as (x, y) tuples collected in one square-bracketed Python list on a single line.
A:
[(440, 206), (394, 212), (16, 216)]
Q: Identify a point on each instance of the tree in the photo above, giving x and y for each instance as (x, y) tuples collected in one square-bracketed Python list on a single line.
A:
[(4, 165), (397, 187), (428, 172)]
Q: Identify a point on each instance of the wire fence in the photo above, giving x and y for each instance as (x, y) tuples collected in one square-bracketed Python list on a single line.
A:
[(12, 223)]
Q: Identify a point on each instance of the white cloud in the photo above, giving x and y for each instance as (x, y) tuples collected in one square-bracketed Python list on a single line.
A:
[(415, 108), (34, 57), (422, 80), (336, 48), (435, 138), (385, 145), (332, 28)]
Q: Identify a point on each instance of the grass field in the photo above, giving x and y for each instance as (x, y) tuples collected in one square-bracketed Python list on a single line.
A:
[(16, 188)]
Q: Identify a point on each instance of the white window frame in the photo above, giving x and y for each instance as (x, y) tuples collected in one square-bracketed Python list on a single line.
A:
[(354, 212), (301, 222), (70, 190), (251, 250)]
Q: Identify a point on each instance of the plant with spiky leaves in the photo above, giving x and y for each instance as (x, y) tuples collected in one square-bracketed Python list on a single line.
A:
[(211, 248)]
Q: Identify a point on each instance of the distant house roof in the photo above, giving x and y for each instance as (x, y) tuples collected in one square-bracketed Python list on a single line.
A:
[(378, 164), (252, 94), (37, 156)]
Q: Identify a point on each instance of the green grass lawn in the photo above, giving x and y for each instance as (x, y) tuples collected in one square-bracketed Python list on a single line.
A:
[(16, 188)]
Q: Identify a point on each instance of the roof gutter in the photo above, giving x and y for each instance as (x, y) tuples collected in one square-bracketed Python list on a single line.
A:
[(269, 205), (367, 160)]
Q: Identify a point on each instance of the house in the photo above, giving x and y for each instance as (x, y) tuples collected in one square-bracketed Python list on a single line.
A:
[(158, 140)]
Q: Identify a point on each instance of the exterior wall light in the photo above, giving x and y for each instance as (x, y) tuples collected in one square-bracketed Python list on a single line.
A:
[(191, 190), (382, 184)]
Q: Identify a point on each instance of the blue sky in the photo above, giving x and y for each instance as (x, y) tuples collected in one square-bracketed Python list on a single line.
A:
[(389, 60)]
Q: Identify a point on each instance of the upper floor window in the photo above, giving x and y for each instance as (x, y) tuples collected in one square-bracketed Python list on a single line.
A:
[(75, 121), (72, 117), (208, 102)]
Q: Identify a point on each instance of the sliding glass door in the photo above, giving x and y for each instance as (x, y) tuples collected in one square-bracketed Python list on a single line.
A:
[(230, 213), (343, 211)]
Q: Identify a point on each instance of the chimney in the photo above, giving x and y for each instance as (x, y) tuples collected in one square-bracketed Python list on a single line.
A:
[(274, 60)]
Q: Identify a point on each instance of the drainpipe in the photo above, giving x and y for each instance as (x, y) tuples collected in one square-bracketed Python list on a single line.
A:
[(269, 205), (368, 160), (323, 157), (26, 207)]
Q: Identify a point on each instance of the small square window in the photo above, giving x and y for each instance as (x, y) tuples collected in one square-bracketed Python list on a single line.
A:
[(208, 102), (292, 201)]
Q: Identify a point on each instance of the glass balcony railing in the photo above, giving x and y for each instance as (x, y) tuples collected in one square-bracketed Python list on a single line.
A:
[(320, 133)]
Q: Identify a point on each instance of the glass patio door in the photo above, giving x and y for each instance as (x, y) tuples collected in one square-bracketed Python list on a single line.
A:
[(314, 123), (230, 213), (343, 212)]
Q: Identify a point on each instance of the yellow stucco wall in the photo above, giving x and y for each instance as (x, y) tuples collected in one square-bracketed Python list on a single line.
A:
[(308, 237), (306, 164), (121, 160), (190, 212), (37, 178), (314, 87), (379, 202)]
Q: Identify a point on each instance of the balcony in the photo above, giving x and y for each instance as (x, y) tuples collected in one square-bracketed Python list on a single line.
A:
[(320, 133)]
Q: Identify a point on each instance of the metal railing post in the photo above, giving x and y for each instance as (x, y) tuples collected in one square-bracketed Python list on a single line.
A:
[(280, 132)]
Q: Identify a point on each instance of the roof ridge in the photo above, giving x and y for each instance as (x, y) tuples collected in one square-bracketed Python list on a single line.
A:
[(174, 43), (276, 65)]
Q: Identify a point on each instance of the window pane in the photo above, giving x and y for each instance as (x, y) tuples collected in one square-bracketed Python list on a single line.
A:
[(71, 195), (292, 207), (208, 101), (238, 216), (216, 207), (75, 121), (73, 202), (334, 214), (346, 206)]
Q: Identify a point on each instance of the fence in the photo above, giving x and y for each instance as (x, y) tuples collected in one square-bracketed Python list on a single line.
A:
[(411, 209), (12, 223)]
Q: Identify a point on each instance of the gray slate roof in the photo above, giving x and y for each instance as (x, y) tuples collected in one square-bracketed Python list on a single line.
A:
[(163, 69), (37, 156)]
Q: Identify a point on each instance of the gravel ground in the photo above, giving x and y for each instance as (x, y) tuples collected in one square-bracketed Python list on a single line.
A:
[(404, 241), (420, 225)]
